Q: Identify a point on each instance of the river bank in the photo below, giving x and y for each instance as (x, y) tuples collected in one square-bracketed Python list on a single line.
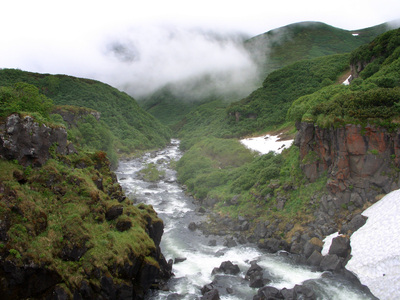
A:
[(195, 254)]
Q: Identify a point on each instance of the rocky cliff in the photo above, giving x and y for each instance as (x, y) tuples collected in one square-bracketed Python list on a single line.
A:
[(23, 139), (361, 162), (66, 228)]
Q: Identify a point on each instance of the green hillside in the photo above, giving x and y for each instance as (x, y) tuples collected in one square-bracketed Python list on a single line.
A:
[(271, 51), (132, 128), (306, 40), (218, 170), (268, 105)]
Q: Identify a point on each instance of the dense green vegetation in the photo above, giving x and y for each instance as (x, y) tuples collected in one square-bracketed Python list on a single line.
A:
[(271, 51), (273, 186), (23, 97), (374, 97), (239, 182), (132, 128), (55, 216), (268, 105), (306, 40), (57, 212)]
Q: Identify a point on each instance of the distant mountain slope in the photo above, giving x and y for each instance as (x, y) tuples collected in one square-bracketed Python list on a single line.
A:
[(132, 127), (305, 40), (270, 51), (268, 105)]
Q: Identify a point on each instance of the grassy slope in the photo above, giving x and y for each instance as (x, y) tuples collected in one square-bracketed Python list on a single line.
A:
[(268, 105), (306, 40), (55, 216), (271, 51), (258, 184), (132, 127)]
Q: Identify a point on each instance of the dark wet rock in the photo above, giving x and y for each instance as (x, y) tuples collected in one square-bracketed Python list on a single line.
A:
[(273, 245), (114, 212), (303, 292), (315, 259), (59, 293), (357, 222), (74, 251), (123, 225), (26, 281), (288, 294), (340, 246), (331, 263), (268, 293), (192, 226), (227, 267), (230, 242), (229, 290), (211, 295), (257, 279), (242, 240), (175, 296), (179, 260), (212, 243), (254, 267), (311, 246), (206, 288), (29, 142)]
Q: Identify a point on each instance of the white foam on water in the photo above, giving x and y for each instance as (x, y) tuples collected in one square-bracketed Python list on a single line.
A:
[(289, 275), (376, 248)]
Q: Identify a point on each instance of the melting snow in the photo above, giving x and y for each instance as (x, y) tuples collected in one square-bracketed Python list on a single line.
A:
[(347, 81), (266, 143), (328, 242), (376, 248)]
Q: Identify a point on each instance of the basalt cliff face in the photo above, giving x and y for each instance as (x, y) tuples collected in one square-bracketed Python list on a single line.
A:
[(67, 259), (23, 139), (361, 162)]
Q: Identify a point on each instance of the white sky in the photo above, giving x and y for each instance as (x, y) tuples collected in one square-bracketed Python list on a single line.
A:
[(70, 37)]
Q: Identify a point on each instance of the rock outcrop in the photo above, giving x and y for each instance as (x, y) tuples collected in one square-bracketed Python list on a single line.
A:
[(24, 275), (25, 140), (361, 162)]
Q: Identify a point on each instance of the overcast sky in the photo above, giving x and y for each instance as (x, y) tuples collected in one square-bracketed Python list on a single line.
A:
[(73, 37)]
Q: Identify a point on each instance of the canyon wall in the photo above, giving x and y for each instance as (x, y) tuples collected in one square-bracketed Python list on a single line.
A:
[(361, 162)]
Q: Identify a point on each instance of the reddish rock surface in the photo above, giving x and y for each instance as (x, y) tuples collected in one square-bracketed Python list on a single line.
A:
[(353, 157)]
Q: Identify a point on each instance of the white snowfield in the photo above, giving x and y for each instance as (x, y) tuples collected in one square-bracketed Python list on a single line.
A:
[(376, 248), (266, 143)]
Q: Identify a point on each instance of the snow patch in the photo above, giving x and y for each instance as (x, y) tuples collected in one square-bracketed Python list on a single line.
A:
[(328, 242), (347, 81), (266, 143), (375, 248)]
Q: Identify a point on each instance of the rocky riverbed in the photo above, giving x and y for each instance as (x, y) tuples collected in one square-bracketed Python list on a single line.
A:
[(217, 257)]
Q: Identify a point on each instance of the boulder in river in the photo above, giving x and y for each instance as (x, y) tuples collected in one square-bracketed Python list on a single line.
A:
[(227, 267)]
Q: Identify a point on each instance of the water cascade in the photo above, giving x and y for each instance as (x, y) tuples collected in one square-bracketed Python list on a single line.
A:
[(197, 257)]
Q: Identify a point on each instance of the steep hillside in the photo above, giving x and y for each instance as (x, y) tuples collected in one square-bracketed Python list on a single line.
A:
[(66, 229), (286, 45), (270, 51), (345, 157), (132, 127), (268, 105)]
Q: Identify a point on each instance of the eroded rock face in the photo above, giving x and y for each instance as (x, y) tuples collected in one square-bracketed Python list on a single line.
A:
[(27, 141), (359, 161)]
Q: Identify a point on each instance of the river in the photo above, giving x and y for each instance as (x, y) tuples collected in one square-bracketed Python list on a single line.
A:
[(178, 210)]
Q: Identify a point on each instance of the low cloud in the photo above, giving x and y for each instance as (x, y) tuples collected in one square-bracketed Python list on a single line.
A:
[(140, 61)]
